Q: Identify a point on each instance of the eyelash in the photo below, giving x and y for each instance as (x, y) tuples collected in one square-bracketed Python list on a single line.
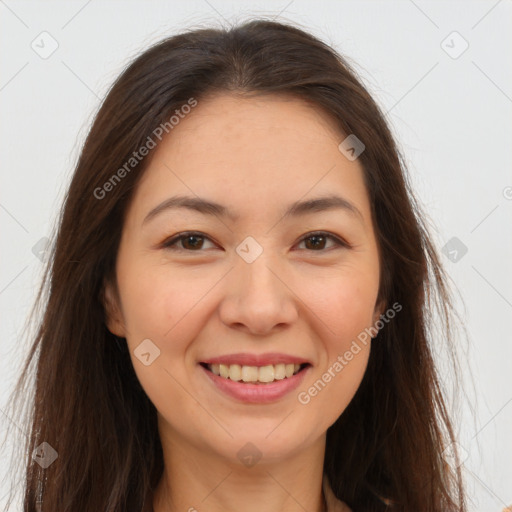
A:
[(170, 244)]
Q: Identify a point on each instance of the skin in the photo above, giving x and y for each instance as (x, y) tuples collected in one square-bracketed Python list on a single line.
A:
[(255, 156)]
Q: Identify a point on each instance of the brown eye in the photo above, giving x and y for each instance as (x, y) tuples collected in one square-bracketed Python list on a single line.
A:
[(194, 242), (317, 241), (191, 242)]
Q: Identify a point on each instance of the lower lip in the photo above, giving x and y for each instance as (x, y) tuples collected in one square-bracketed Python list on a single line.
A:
[(257, 393)]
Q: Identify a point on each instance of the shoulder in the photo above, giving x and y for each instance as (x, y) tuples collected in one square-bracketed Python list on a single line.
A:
[(333, 503)]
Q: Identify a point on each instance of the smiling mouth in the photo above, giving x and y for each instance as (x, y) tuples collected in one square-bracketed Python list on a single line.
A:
[(255, 374)]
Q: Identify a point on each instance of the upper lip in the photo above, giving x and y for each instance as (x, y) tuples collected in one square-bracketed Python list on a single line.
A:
[(245, 359)]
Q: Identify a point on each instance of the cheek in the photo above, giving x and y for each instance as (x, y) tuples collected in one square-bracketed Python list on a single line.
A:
[(342, 366), (170, 309), (345, 375), (344, 305), (344, 302), (158, 303), (158, 306)]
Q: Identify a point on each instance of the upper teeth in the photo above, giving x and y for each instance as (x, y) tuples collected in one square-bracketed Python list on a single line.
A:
[(267, 373)]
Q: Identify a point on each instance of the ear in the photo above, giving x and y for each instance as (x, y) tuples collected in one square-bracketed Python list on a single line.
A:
[(379, 310), (111, 305)]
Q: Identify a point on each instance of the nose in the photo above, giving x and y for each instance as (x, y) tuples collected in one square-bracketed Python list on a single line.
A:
[(258, 300)]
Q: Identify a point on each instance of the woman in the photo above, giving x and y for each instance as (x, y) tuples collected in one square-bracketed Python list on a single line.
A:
[(239, 301)]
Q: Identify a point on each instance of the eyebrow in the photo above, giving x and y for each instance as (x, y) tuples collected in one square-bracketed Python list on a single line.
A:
[(296, 209)]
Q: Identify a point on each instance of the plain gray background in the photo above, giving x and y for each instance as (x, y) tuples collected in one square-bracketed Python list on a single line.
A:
[(449, 106)]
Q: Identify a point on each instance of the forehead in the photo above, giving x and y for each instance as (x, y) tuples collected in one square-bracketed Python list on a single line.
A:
[(256, 122), (251, 153)]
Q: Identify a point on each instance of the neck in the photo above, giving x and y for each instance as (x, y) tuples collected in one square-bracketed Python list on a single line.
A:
[(195, 479)]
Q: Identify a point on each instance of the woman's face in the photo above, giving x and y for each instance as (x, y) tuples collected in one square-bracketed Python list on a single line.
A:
[(253, 289)]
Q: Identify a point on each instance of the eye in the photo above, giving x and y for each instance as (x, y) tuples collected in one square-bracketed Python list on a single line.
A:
[(190, 241), (194, 241), (319, 239)]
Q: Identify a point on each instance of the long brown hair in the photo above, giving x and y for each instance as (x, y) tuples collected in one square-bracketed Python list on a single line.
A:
[(386, 450)]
